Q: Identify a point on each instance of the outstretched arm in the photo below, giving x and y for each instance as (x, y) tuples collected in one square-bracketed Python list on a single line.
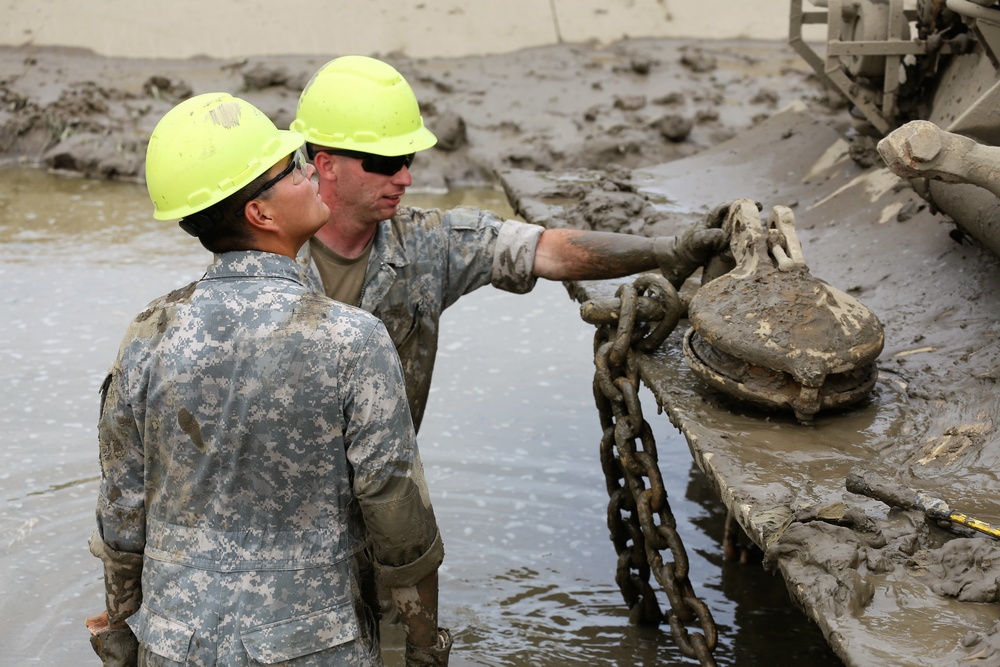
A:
[(572, 254), (568, 254)]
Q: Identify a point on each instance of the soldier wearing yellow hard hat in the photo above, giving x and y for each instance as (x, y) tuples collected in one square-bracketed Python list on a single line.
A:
[(363, 129), (254, 435), (356, 103)]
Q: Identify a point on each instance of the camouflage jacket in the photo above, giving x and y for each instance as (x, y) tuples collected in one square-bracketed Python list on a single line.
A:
[(251, 431), (422, 262)]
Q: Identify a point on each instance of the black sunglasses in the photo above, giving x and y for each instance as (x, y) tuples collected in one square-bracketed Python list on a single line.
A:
[(298, 161), (387, 165)]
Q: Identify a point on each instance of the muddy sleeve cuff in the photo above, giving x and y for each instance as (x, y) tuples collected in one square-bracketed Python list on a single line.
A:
[(402, 529), (122, 579), (514, 256), (412, 573)]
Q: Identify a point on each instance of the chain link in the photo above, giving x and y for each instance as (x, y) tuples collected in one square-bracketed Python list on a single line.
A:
[(638, 320)]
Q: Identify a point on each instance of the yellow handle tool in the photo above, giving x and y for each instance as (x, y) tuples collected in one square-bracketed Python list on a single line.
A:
[(894, 494)]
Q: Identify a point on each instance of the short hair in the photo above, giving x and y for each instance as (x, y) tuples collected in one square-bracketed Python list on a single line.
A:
[(223, 227)]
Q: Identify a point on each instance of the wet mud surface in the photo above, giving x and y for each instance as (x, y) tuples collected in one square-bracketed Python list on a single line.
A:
[(886, 585), (636, 102), (643, 137), (510, 444)]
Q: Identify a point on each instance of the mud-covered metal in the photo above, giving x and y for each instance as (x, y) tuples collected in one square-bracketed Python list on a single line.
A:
[(771, 333), (932, 423), (866, 482), (954, 172), (921, 149), (643, 529), (938, 61), (871, 59)]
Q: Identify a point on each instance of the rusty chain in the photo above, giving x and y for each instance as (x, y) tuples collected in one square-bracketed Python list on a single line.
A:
[(638, 320)]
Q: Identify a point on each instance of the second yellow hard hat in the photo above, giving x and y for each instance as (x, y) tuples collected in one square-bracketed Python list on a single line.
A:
[(362, 104)]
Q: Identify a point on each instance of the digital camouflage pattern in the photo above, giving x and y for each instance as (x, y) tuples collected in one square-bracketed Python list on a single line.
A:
[(250, 430), (422, 261)]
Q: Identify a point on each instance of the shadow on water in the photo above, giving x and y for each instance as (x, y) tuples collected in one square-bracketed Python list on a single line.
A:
[(510, 444)]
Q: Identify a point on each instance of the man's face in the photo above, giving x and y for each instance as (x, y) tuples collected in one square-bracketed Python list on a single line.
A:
[(363, 195)]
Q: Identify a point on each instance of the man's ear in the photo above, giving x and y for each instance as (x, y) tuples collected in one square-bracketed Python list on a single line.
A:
[(260, 215), (325, 166)]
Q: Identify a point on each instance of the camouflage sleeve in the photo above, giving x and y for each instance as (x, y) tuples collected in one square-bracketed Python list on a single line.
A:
[(388, 475), (514, 256), (120, 535), (482, 248), (122, 579)]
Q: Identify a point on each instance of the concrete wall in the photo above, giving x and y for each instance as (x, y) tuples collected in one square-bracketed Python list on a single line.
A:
[(427, 28)]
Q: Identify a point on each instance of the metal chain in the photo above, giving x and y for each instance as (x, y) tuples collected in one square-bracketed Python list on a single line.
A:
[(639, 517)]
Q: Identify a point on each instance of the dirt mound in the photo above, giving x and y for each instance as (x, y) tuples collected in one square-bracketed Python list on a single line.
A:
[(633, 103)]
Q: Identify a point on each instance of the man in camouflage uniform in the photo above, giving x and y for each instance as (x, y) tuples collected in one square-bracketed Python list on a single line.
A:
[(406, 265), (254, 435)]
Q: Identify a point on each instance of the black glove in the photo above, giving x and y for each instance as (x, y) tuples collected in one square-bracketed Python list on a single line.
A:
[(430, 656), (680, 256)]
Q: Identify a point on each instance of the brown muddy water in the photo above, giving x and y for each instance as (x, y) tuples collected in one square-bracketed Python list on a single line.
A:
[(510, 444)]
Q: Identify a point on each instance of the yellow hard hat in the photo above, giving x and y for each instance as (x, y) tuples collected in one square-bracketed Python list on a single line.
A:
[(208, 147), (362, 104)]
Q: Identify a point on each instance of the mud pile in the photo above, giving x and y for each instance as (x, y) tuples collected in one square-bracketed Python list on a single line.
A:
[(633, 103)]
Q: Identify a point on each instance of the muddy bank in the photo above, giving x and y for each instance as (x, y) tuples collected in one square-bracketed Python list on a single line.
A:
[(632, 103), (886, 585)]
